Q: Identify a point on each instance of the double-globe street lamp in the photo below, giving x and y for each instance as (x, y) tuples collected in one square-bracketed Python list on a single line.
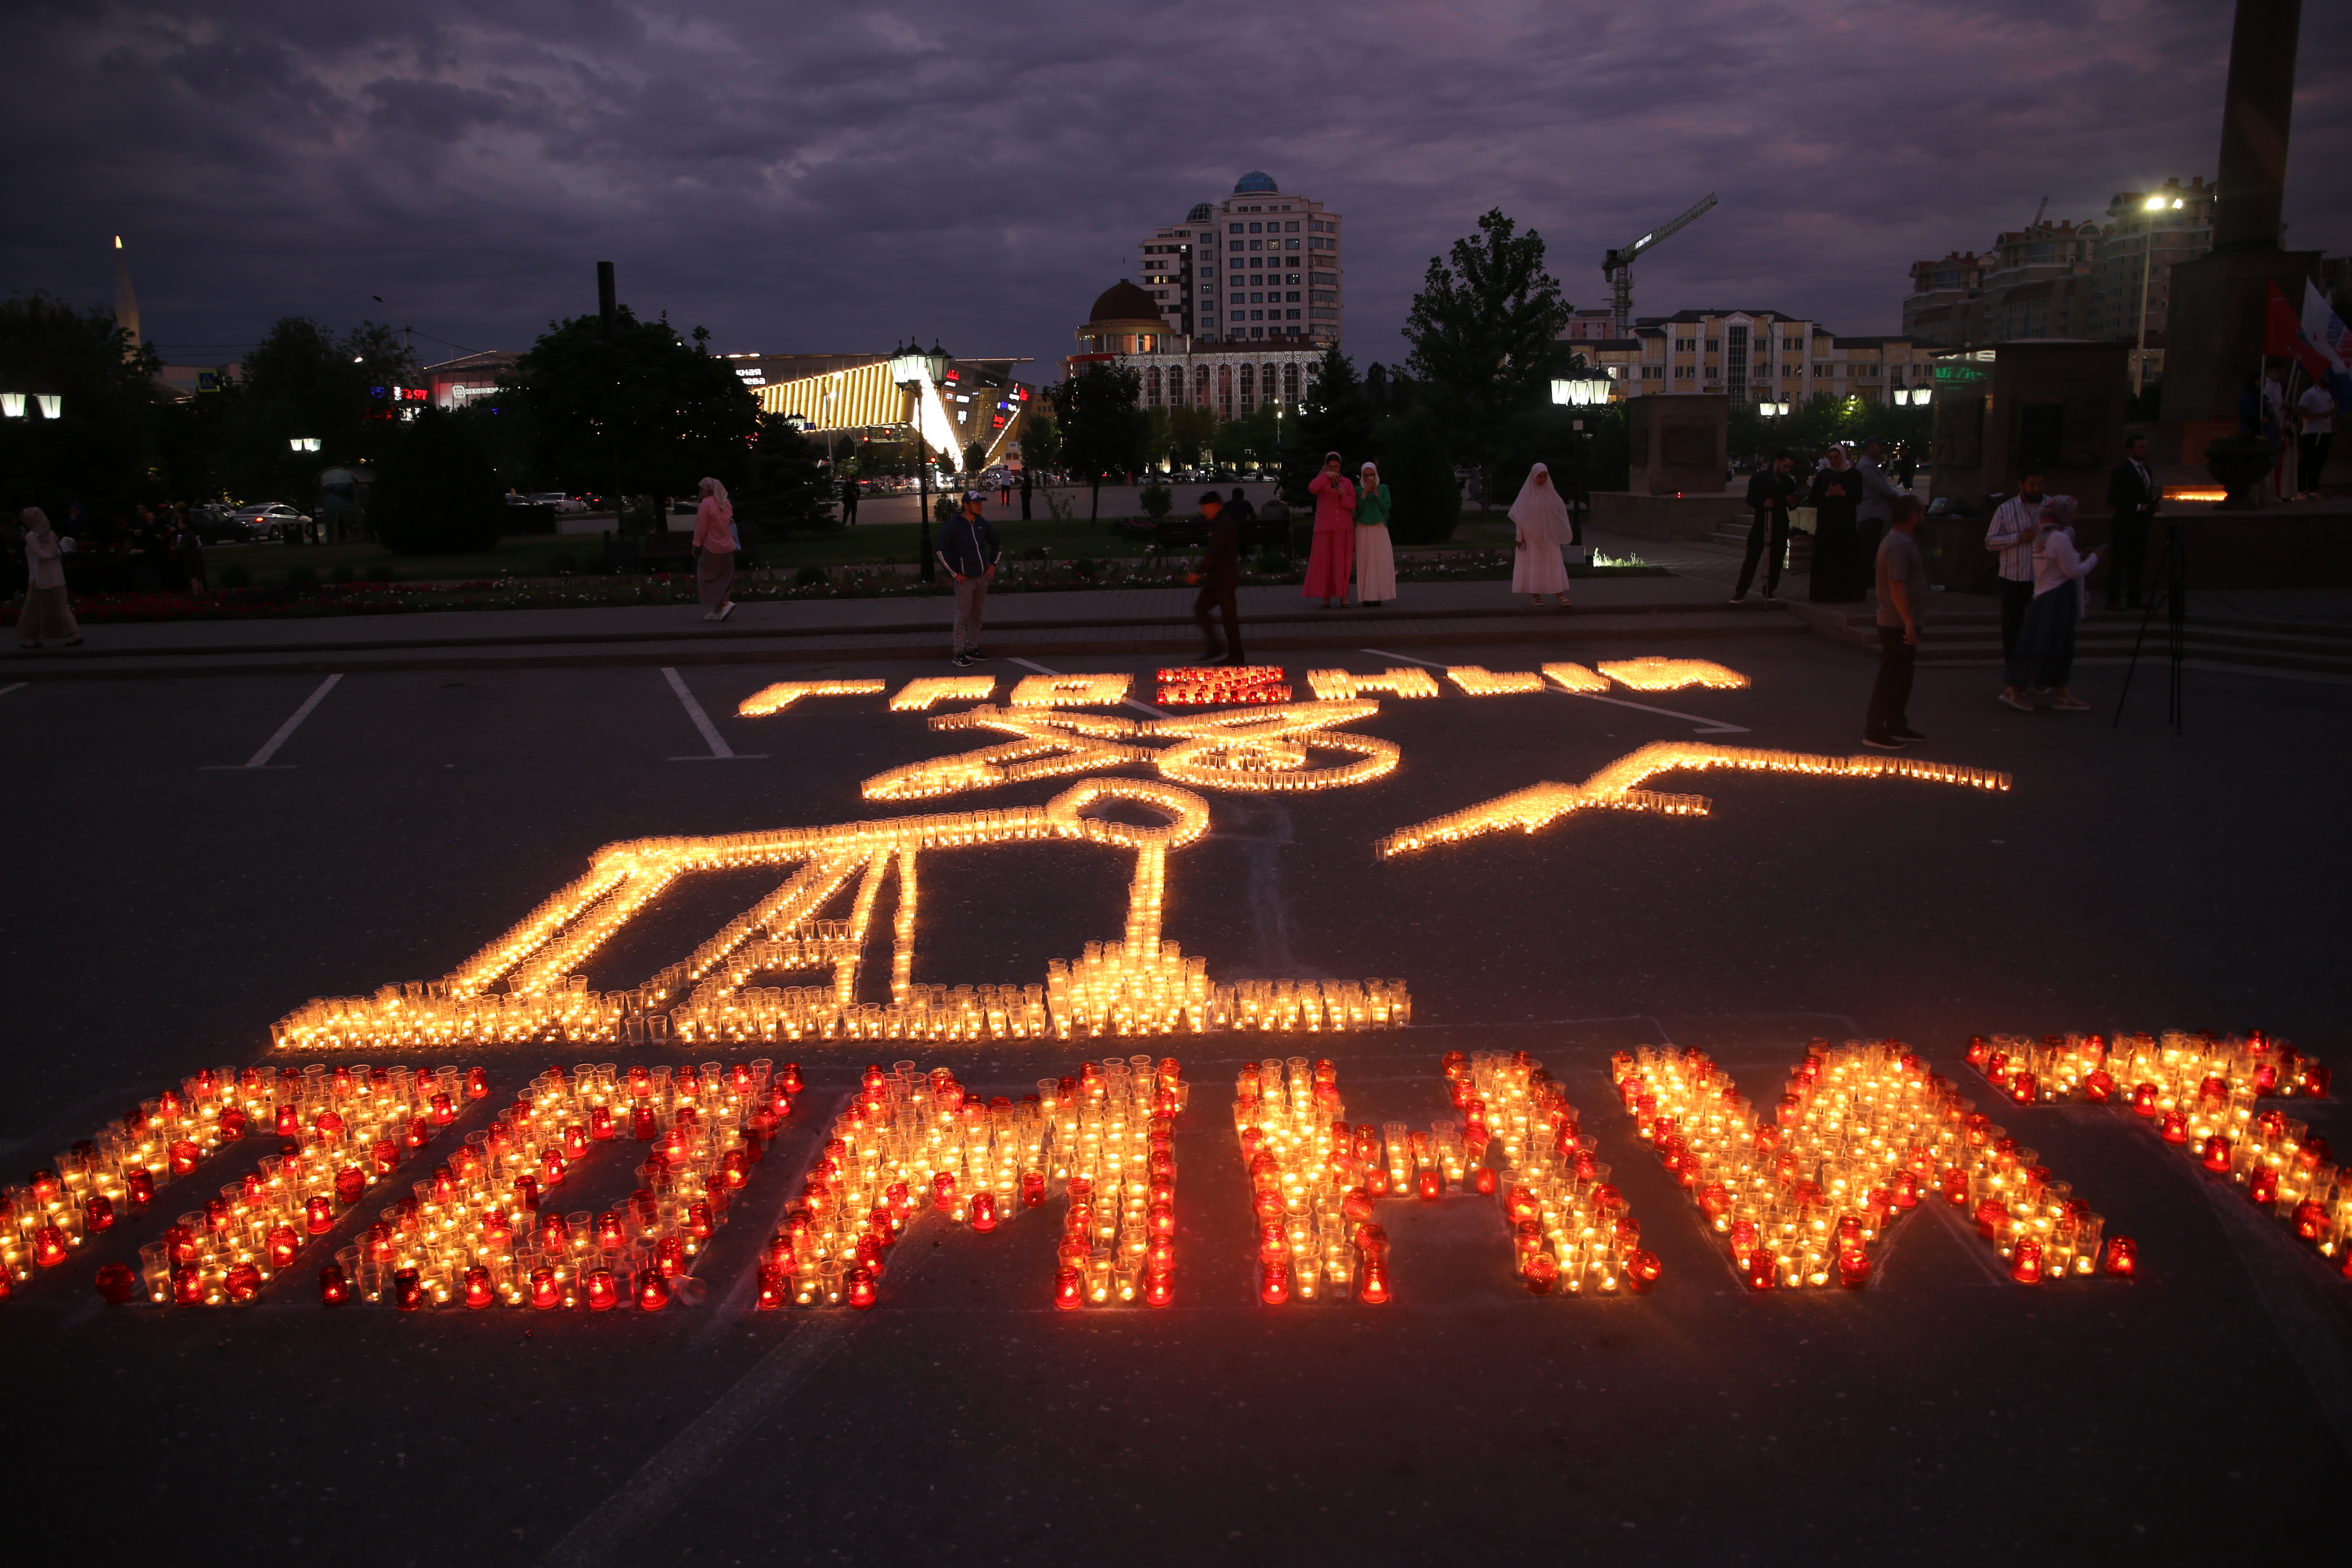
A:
[(918, 372)]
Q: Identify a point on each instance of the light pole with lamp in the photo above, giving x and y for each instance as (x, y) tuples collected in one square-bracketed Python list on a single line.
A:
[(2148, 209), (918, 372)]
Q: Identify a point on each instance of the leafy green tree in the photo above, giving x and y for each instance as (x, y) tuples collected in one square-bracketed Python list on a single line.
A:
[(1425, 498), (784, 488), (1261, 435), (434, 492), (1229, 444), (1158, 437), (1103, 425), (1484, 331), (1040, 441), (1191, 430), (301, 380), (975, 457), (1334, 416), (103, 450), (881, 460), (646, 410)]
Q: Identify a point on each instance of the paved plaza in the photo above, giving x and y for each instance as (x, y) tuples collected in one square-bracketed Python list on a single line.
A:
[(192, 864)]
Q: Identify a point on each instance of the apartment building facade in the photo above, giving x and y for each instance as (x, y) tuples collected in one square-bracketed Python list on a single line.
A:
[(1753, 356), (2148, 234), (1255, 267)]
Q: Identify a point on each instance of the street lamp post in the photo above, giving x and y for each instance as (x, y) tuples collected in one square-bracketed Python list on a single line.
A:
[(918, 372), (2148, 209)]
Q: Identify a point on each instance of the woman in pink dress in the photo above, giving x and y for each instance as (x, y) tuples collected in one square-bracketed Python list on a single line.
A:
[(1333, 556), (714, 551)]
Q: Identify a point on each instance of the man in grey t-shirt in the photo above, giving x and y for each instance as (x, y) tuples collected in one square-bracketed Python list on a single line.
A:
[(1902, 577)]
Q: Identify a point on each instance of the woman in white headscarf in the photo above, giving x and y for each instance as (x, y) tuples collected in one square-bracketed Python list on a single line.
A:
[(1540, 518), (45, 613), (1375, 561), (714, 550)]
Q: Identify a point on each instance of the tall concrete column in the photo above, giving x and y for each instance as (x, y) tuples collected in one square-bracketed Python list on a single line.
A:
[(2213, 334), (2257, 112)]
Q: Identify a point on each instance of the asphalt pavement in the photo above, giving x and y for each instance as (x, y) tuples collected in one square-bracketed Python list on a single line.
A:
[(190, 862)]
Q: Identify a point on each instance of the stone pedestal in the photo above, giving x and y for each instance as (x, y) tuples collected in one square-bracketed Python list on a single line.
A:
[(1677, 444), (2058, 405), (2213, 335)]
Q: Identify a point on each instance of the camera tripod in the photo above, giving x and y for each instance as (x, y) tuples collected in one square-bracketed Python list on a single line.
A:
[(2172, 593)]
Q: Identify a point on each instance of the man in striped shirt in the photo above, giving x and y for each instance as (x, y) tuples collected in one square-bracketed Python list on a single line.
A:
[(2014, 524)]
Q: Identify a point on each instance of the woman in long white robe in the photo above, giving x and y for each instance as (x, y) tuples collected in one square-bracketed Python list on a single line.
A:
[(1541, 519)]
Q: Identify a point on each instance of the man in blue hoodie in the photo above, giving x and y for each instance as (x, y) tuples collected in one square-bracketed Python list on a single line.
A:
[(969, 549)]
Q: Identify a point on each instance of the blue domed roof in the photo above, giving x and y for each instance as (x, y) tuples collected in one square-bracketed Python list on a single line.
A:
[(1257, 182)]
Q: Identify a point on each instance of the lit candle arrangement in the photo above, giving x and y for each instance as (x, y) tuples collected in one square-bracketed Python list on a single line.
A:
[(1137, 984), (1652, 673), (2199, 1092), (924, 691), (1071, 691), (775, 698), (1617, 785), (1315, 1180), (1863, 1134), (332, 1129), (1340, 685), (484, 1229), (915, 1141), (1265, 750), (1570, 676), (340, 1133), (1476, 680), (1192, 687), (1048, 744)]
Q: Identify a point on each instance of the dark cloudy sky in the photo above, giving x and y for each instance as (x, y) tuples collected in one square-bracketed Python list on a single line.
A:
[(826, 177)]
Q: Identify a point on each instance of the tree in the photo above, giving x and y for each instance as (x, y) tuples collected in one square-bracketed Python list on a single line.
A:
[(645, 411), (975, 457), (1189, 430), (1104, 426), (434, 492), (1334, 416), (1484, 331), (1159, 438), (1040, 442), (1425, 498), (301, 380), (784, 485), (104, 447), (883, 459)]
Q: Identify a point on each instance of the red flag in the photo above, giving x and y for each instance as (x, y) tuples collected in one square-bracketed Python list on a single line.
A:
[(2281, 328)]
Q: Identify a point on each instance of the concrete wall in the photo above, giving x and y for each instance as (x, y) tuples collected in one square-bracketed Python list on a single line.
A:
[(1666, 516)]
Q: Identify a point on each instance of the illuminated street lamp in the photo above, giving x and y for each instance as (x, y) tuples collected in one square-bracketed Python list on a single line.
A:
[(1580, 391), (918, 372)]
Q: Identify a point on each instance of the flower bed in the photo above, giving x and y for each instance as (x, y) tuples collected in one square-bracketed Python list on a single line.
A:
[(675, 588)]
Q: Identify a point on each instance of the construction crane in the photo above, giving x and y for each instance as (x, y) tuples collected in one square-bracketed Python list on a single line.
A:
[(1618, 265)]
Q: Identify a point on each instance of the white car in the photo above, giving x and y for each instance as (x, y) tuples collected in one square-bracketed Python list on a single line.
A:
[(563, 504), (268, 519)]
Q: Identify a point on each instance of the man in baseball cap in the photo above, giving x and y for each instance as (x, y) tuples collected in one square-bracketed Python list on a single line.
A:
[(969, 549)]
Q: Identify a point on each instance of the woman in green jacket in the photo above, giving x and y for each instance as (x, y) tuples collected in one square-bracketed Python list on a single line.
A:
[(1375, 561)]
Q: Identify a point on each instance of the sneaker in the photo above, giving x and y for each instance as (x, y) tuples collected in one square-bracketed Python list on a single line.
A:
[(1738, 599), (710, 614), (1884, 742), (725, 610), (2071, 704), (2020, 704), (963, 661), (976, 656), (1905, 732)]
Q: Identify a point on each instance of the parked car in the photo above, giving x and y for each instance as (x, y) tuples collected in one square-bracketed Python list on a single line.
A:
[(269, 519), (563, 504)]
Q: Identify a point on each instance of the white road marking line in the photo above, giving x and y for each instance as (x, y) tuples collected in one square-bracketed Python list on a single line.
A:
[(1706, 726), (719, 751), (260, 759), (687, 1459), (1129, 702)]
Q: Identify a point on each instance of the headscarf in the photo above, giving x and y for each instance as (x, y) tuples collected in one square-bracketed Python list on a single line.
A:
[(2058, 511), (32, 520), (1369, 485), (1539, 505), (712, 490)]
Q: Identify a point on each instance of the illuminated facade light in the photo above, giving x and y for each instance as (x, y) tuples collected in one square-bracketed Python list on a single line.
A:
[(1575, 677), (1803, 1195), (1340, 685), (924, 691), (775, 698), (1617, 785), (1477, 682), (1071, 691), (1655, 674)]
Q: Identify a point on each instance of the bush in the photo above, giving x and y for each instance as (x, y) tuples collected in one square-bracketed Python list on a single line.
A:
[(1155, 501), (1424, 499), (810, 576), (436, 493), (1274, 558), (342, 574), (1083, 566), (946, 508), (236, 576)]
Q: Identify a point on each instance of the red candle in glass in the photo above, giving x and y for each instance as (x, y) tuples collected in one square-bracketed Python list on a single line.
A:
[(604, 1292), (653, 1291), (334, 1287), (1069, 1288), (407, 1292)]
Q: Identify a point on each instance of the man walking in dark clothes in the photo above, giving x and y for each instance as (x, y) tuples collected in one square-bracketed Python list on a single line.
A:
[(1220, 578), (1769, 492)]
